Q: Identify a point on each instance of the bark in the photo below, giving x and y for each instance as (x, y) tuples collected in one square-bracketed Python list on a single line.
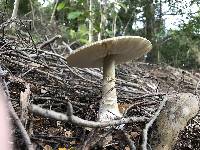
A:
[(103, 18), (179, 109), (15, 9), (91, 21), (53, 13), (149, 28), (114, 25), (101, 23)]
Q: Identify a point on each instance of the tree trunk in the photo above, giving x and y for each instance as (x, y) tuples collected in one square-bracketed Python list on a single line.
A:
[(91, 21), (149, 28), (53, 13), (114, 25), (103, 5), (101, 22), (15, 9)]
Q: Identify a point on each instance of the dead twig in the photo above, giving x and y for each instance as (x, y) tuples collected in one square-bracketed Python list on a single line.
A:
[(21, 127), (150, 123), (49, 41), (130, 142), (17, 120), (81, 122), (24, 102)]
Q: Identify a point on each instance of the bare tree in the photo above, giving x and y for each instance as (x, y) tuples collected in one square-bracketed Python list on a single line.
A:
[(91, 21), (54, 11), (15, 9)]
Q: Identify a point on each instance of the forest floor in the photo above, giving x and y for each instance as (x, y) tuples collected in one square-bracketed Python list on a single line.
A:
[(41, 67)]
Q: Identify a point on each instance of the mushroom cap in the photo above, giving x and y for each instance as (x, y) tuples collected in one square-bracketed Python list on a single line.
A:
[(122, 49)]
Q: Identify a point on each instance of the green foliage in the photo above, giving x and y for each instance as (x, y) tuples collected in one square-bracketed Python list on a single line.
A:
[(177, 53), (24, 7), (183, 49), (74, 15), (192, 27), (61, 6), (81, 35)]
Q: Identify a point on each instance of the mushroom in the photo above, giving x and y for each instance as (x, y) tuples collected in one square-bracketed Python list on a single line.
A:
[(107, 53)]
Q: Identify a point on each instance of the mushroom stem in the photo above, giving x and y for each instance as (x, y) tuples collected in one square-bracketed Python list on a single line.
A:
[(108, 106)]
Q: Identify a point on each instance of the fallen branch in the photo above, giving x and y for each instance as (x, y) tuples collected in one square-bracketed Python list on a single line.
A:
[(49, 41), (5, 129), (150, 123), (81, 122), (16, 118), (21, 127), (130, 142)]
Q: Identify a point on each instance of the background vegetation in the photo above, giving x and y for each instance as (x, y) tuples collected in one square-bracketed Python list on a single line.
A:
[(84, 21)]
